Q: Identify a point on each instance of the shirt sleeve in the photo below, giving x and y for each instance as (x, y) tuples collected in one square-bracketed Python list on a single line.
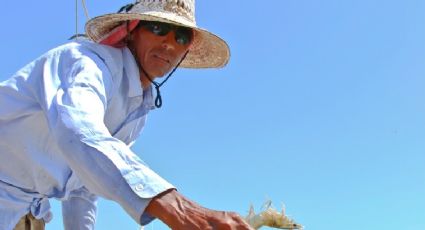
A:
[(79, 210), (105, 165)]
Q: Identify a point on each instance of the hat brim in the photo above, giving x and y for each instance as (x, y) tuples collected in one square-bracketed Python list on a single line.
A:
[(207, 49)]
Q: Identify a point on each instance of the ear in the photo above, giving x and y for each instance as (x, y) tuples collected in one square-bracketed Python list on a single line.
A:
[(116, 37)]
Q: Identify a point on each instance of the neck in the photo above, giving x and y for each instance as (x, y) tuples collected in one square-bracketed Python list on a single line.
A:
[(144, 80)]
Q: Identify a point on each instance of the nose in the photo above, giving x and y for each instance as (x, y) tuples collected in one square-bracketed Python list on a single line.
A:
[(169, 42)]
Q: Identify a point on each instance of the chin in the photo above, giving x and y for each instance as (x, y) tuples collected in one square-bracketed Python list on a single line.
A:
[(155, 69), (159, 73)]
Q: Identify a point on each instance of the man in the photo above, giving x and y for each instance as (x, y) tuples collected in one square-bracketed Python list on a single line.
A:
[(68, 118)]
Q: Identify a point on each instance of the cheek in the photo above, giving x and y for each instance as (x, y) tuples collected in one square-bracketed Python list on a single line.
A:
[(180, 54), (155, 67)]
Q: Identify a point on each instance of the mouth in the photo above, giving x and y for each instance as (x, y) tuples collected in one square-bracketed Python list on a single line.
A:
[(163, 59)]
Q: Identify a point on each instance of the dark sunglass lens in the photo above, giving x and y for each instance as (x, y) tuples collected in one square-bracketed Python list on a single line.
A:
[(183, 36), (160, 29)]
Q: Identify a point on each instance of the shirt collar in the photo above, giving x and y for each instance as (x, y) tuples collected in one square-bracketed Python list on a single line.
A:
[(148, 100)]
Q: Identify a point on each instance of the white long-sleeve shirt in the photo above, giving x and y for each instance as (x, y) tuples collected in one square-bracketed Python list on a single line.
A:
[(67, 121)]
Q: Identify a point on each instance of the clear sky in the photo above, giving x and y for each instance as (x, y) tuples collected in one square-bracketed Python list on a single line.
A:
[(322, 107)]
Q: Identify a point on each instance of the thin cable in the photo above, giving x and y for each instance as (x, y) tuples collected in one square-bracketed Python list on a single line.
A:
[(76, 19), (86, 12)]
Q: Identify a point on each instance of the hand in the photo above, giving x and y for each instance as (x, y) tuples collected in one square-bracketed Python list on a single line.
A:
[(180, 213)]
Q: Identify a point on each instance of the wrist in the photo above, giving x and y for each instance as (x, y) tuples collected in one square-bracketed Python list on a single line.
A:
[(163, 206)]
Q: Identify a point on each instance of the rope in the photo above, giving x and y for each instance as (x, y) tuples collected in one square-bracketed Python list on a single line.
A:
[(158, 98), (86, 12)]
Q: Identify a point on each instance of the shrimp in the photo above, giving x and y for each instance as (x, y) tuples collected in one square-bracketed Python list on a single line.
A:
[(270, 217)]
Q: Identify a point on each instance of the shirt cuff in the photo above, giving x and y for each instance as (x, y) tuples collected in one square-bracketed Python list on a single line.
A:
[(145, 184)]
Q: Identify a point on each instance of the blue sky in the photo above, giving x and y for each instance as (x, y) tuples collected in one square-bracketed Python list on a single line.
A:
[(322, 107)]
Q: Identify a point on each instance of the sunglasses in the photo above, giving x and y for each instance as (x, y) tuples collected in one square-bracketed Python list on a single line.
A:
[(183, 35)]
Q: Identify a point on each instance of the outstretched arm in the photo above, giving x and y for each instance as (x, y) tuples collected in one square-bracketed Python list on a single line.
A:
[(100, 162)]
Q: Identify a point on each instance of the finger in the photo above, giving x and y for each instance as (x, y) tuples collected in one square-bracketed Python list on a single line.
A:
[(241, 222)]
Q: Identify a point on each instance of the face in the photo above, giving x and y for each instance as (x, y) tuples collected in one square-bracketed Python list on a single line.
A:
[(158, 53)]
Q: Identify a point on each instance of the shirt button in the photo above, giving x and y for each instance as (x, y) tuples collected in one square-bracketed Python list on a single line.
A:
[(139, 187)]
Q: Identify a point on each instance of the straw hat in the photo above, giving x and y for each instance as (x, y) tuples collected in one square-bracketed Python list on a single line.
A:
[(207, 50)]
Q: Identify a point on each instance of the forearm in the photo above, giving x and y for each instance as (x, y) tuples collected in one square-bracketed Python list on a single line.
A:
[(131, 190), (104, 164), (180, 213)]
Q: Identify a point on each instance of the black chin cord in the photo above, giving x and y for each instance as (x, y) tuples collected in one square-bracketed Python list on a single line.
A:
[(158, 98)]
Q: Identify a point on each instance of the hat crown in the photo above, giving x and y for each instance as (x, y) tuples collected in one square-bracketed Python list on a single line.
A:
[(180, 8)]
